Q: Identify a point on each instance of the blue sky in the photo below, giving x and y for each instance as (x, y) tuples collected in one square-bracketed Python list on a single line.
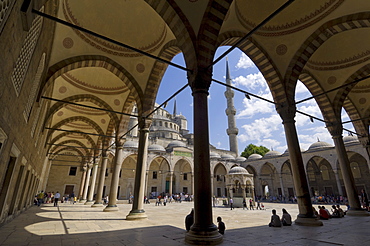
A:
[(257, 120)]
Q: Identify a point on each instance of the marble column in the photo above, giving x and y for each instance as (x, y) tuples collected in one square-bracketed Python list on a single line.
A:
[(203, 231), (192, 183), (306, 215), (137, 211), (282, 185), (90, 196), (336, 130), (171, 181), (340, 191), (82, 184), (99, 192), (112, 197), (87, 182)]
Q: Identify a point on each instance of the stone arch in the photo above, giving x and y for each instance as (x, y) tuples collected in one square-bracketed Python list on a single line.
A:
[(83, 158), (287, 189), (321, 177), (314, 41), (219, 180), (127, 177), (71, 141), (64, 134), (181, 166), (93, 61), (269, 176), (158, 171)]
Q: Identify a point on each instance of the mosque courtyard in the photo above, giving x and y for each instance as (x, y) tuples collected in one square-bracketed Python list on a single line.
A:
[(80, 224)]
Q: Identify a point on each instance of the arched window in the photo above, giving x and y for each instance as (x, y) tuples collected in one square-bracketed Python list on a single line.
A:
[(324, 172), (355, 170), (311, 174)]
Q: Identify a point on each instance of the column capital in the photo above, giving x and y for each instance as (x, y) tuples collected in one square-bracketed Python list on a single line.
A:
[(200, 79), (365, 141), (144, 124), (287, 112), (335, 128)]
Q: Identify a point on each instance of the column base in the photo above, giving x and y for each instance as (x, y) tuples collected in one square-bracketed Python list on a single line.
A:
[(197, 237), (97, 205), (82, 201), (136, 215), (111, 208), (89, 203), (357, 212), (308, 221)]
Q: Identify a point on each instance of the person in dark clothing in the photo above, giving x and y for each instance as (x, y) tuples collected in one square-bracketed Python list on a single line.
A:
[(189, 220), (221, 226)]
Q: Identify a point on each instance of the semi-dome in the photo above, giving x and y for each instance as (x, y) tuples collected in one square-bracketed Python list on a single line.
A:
[(254, 157), (350, 139), (214, 155), (238, 170), (156, 148), (272, 153), (131, 144), (227, 157), (319, 145), (175, 144), (240, 159)]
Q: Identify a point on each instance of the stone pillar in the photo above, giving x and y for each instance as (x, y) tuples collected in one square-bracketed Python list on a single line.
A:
[(306, 215), (82, 184), (212, 184), (146, 183), (171, 181), (336, 130), (340, 191), (112, 203), (99, 192), (90, 197), (87, 182), (244, 187), (192, 183), (282, 185), (203, 231), (137, 211)]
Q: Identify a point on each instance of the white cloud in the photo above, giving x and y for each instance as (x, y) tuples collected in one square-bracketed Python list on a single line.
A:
[(244, 62), (301, 88), (314, 134), (252, 81), (261, 129), (256, 106), (303, 120)]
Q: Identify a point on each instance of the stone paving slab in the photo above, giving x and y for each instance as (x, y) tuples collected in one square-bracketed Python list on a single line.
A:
[(80, 224)]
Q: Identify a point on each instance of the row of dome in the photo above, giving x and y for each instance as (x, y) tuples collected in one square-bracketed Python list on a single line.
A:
[(319, 145)]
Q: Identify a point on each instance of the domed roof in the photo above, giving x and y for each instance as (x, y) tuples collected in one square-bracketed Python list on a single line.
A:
[(227, 157), (214, 155), (175, 144), (180, 116), (156, 148), (319, 145), (131, 144), (350, 139), (272, 153), (286, 152), (238, 170), (240, 159), (254, 157)]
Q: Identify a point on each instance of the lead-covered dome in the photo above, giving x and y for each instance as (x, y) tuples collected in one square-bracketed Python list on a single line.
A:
[(272, 153), (131, 144), (214, 155), (350, 139), (240, 159), (227, 157), (319, 145), (156, 148), (254, 157), (238, 170), (175, 144)]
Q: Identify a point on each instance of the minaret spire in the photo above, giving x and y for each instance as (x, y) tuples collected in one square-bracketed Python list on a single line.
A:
[(174, 109), (232, 131)]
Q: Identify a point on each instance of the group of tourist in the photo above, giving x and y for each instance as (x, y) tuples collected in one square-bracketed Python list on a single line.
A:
[(286, 219), (324, 213), (189, 221), (51, 197)]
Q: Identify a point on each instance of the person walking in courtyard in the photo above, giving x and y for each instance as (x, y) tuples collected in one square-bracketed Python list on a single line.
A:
[(275, 220), (251, 204), (286, 219), (221, 226), (258, 205), (245, 204), (40, 198), (189, 220), (231, 203), (56, 198)]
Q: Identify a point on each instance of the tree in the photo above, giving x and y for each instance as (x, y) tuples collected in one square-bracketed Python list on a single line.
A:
[(253, 149)]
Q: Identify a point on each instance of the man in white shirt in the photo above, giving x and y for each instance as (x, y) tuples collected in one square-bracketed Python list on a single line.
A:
[(56, 198)]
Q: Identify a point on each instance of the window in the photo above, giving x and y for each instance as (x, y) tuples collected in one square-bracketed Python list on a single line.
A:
[(72, 171), (185, 176), (120, 173), (155, 174), (166, 124), (160, 123), (355, 170), (154, 189), (185, 190), (106, 172)]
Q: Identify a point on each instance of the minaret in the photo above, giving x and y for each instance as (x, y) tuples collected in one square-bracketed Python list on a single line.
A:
[(232, 131), (174, 109)]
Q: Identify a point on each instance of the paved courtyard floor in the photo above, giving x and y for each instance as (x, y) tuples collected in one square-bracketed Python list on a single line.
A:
[(80, 224)]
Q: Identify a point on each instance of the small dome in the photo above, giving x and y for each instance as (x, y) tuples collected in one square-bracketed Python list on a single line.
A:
[(227, 157), (238, 170), (254, 157), (156, 148), (350, 139), (286, 152), (175, 144), (131, 144), (272, 153), (214, 155), (240, 159), (319, 145), (180, 116)]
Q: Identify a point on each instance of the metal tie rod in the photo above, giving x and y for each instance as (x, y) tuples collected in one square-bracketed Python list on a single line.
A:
[(87, 133)]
